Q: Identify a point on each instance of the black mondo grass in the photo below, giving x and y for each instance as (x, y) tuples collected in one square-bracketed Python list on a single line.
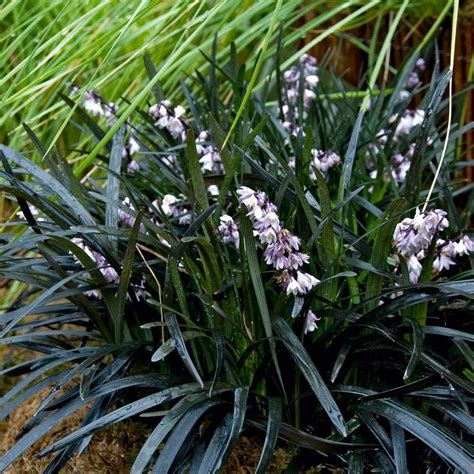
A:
[(150, 293)]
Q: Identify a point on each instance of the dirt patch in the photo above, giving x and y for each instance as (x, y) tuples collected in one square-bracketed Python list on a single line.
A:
[(111, 451)]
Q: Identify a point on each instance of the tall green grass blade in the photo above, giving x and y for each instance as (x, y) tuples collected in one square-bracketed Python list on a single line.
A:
[(381, 249), (249, 244)]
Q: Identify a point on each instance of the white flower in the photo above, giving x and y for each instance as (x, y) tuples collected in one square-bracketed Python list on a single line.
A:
[(442, 262), (134, 147), (409, 120), (92, 104), (213, 190), (414, 268), (420, 64), (308, 96), (310, 322), (108, 272), (248, 198), (322, 161), (176, 127), (229, 230), (126, 218), (296, 260), (267, 227), (464, 246), (312, 80), (179, 111), (167, 205), (133, 167), (293, 287), (306, 281)]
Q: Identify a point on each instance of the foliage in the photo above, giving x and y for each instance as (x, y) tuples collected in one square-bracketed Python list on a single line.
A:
[(49, 45), (197, 334)]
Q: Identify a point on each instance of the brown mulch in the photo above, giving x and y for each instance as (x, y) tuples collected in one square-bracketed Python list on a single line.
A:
[(113, 450)]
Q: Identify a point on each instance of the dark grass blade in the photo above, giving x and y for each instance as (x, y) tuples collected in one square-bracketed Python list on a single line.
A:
[(399, 448), (310, 372), (226, 434), (122, 413), (349, 157), (220, 354), (57, 188), (189, 404), (175, 331), (85, 118), (415, 172), (216, 446), (125, 275), (417, 348), (435, 436), (197, 181), (306, 440), (113, 183), (340, 359), (151, 70), (179, 436), (271, 434)]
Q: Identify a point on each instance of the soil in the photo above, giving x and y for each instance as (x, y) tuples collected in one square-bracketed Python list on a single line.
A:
[(113, 450)]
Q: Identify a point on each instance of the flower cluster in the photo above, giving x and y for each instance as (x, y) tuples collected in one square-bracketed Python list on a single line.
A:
[(169, 118), (303, 75), (282, 247), (229, 230), (108, 272), (400, 163), (407, 122), (321, 160), (95, 105), (413, 79), (175, 208), (412, 237), (126, 218), (446, 250), (131, 147), (210, 160)]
